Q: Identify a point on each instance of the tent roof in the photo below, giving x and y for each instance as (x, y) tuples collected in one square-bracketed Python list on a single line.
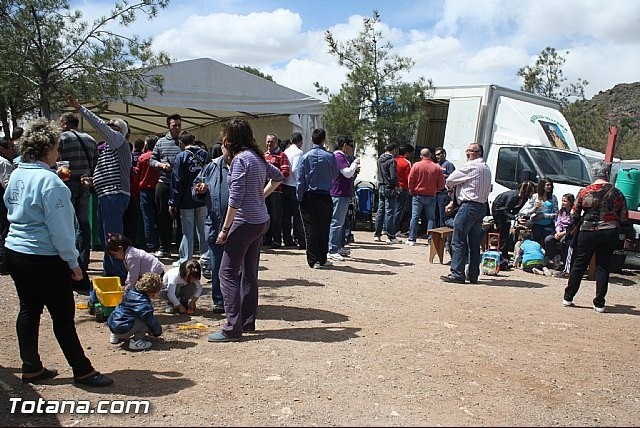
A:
[(204, 91)]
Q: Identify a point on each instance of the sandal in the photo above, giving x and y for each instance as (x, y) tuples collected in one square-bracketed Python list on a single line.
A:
[(96, 379), (43, 375)]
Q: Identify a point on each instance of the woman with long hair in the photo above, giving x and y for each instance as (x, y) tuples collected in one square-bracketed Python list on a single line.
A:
[(244, 225), (556, 245), (541, 210), (504, 210)]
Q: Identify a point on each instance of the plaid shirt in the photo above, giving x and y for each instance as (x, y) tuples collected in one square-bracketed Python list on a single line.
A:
[(280, 161)]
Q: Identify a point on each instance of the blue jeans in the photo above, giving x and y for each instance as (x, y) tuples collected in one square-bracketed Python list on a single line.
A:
[(419, 204), (111, 210), (441, 198), (215, 254), (401, 202), (192, 218), (465, 242), (149, 219), (340, 208), (386, 208)]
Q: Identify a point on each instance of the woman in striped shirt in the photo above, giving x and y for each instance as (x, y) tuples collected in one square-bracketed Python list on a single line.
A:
[(246, 222)]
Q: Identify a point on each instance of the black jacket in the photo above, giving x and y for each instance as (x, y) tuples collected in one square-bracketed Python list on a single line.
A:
[(505, 206)]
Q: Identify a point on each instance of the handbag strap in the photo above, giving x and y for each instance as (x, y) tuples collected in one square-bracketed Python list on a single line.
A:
[(196, 158), (598, 203), (603, 198), (84, 149)]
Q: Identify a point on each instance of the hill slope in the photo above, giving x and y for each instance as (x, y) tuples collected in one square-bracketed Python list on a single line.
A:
[(618, 106)]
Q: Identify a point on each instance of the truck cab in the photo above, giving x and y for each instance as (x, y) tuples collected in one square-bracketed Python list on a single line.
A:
[(524, 136)]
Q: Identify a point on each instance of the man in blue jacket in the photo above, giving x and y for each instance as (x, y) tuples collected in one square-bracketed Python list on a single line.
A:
[(186, 167)]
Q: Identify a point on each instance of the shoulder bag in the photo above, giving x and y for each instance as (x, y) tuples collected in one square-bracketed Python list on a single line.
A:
[(88, 183)]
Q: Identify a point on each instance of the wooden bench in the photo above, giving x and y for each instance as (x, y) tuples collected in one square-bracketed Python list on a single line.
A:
[(439, 236)]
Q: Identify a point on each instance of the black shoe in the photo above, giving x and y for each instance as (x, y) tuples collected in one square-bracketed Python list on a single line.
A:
[(249, 328), (43, 375), (451, 278), (91, 309), (473, 281), (274, 246), (97, 380), (218, 309)]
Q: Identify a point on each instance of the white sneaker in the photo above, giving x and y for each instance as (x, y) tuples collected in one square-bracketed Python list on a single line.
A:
[(327, 263), (159, 253), (599, 310), (546, 271), (377, 239), (394, 241), (567, 303), (113, 339), (335, 256), (344, 252), (537, 271), (317, 266), (410, 243), (139, 344)]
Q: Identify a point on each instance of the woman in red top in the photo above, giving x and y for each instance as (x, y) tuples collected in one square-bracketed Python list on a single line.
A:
[(604, 209)]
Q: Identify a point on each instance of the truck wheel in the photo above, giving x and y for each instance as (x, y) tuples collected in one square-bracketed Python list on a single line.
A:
[(99, 312)]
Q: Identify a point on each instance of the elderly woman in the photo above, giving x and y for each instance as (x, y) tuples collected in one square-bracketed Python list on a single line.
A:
[(41, 255), (604, 208), (245, 223)]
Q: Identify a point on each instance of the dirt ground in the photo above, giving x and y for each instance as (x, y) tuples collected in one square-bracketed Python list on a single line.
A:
[(377, 340)]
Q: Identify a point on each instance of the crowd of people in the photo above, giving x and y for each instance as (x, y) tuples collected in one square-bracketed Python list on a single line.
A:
[(239, 198)]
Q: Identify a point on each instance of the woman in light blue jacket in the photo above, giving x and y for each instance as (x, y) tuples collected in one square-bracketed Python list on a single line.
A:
[(41, 255), (541, 211)]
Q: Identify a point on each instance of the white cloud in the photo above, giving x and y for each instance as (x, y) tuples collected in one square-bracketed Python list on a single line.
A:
[(458, 43), (256, 39)]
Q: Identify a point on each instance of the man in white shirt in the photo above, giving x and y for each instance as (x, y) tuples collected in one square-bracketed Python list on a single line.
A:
[(472, 184), (290, 204)]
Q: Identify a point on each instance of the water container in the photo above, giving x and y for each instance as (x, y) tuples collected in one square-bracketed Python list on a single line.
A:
[(628, 182)]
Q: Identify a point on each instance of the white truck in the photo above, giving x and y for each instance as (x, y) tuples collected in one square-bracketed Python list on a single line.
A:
[(524, 136)]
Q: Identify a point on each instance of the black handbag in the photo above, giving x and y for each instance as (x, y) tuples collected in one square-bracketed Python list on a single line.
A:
[(84, 285)]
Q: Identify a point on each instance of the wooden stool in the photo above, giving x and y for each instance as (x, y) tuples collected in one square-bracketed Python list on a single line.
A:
[(438, 238)]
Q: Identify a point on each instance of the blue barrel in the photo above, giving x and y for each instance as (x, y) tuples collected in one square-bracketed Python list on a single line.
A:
[(628, 182)]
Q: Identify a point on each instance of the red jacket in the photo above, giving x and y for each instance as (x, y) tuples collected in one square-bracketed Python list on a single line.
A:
[(425, 178), (280, 161), (147, 176), (404, 167)]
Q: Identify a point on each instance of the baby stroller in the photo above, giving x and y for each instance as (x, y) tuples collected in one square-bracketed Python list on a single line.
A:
[(364, 202)]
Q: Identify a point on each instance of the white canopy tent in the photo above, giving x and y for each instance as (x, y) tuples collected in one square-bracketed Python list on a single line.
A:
[(206, 92)]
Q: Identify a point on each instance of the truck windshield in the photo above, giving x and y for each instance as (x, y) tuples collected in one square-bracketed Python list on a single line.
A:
[(561, 166)]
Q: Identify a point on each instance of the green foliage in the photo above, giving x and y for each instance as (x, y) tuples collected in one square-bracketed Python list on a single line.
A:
[(48, 49), (619, 106), (545, 77), (373, 103), (255, 71)]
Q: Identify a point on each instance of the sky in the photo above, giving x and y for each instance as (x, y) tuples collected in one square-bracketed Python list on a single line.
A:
[(452, 42)]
